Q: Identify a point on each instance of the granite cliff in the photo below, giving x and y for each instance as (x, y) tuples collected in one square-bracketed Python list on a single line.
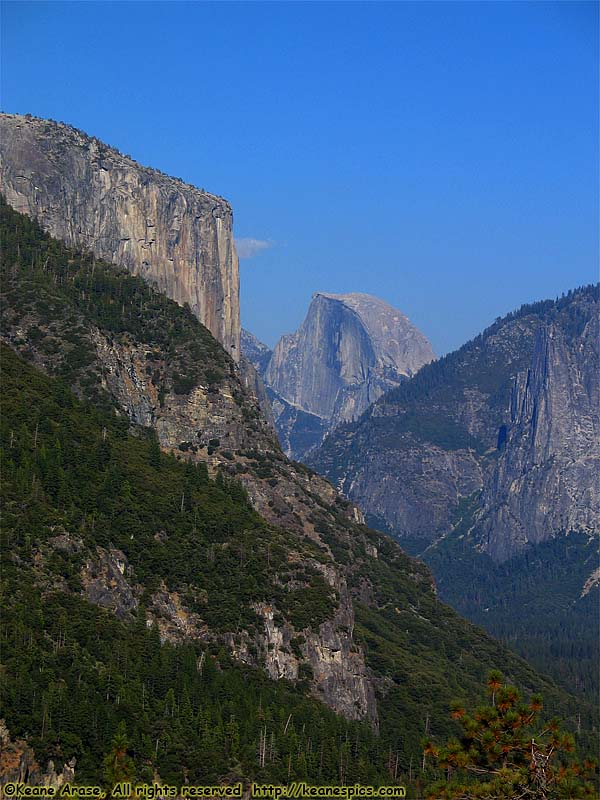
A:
[(348, 351), (222, 560), (512, 413), (487, 457), (176, 237), (545, 480)]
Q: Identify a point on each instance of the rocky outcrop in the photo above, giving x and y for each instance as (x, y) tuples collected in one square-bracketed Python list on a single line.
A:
[(18, 764), (175, 622), (336, 664), (348, 351), (201, 421), (104, 580), (223, 415), (175, 236), (592, 583)]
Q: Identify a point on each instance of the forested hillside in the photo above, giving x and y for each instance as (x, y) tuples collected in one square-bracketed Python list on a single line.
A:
[(485, 465), (143, 587)]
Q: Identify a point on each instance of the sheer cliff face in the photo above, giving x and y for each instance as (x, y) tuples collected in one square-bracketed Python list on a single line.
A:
[(511, 419), (347, 352), (347, 345), (89, 195), (546, 479)]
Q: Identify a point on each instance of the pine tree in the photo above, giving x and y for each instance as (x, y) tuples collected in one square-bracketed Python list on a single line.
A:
[(118, 765), (504, 752)]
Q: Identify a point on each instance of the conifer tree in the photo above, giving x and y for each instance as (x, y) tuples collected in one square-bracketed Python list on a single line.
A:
[(506, 753), (118, 765)]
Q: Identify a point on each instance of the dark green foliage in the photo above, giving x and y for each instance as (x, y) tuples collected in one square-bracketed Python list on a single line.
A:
[(72, 673), (310, 605), (167, 518), (532, 602), (178, 702), (64, 292), (506, 751), (118, 764), (423, 427), (428, 655)]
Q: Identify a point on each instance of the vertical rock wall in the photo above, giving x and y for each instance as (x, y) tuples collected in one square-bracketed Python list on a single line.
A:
[(546, 479), (175, 236)]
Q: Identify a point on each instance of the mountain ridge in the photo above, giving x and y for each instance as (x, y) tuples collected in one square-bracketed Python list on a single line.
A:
[(487, 457), (299, 590)]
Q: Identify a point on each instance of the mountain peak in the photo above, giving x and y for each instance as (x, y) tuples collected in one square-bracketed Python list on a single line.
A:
[(347, 352)]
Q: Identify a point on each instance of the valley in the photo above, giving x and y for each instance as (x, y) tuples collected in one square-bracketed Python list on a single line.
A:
[(168, 568)]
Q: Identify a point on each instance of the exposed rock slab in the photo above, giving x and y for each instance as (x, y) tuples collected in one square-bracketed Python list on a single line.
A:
[(546, 479), (513, 414), (175, 236), (349, 350)]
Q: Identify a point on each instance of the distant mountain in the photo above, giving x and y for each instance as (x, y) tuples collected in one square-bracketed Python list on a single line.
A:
[(349, 350), (222, 601), (257, 353), (487, 457)]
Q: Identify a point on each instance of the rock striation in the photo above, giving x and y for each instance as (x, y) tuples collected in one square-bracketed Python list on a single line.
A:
[(511, 415), (349, 350), (175, 236), (486, 465), (546, 478)]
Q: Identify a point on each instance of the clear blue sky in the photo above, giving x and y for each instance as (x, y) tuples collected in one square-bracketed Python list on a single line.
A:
[(443, 156)]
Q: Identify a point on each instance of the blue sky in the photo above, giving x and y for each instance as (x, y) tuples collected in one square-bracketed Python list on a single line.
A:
[(443, 156)]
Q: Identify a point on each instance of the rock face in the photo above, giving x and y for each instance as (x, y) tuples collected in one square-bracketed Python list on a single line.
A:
[(257, 353), (175, 236), (348, 351), (341, 678), (105, 582), (546, 478), (187, 422), (139, 380), (486, 464), (18, 765), (512, 414)]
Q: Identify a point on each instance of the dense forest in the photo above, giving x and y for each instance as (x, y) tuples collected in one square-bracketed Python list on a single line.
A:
[(72, 670), (80, 482), (533, 602)]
